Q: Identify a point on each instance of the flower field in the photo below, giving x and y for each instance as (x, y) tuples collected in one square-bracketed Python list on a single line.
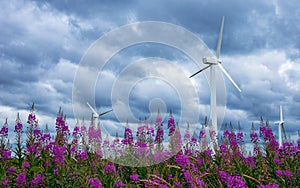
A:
[(81, 158)]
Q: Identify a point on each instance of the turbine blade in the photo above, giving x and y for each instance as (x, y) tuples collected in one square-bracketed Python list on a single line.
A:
[(229, 77), (105, 112), (200, 71), (94, 111), (281, 115), (220, 39), (283, 130)]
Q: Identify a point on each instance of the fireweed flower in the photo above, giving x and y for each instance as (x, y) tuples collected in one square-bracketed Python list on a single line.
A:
[(277, 162), (31, 118), (170, 176), (270, 185), (37, 181), (250, 161), (37, 134), (25, 165), (188, 152), (46, 137), (4, 130), (55, 172), (223, 176), (82, 155), (233, 143), (61, 126), (199, 183), (110, 168), (279, 173), (134, 177), (171, 124), (201, 134), (5, 182), (223, 148), (11, 170), (128, 138), (266, 133), (254, 137), (187, 176), (159, 135), (119, 184), (31, 149), (194, 139), (95, 183), (177, 184), (236, 181), (76, 130), (240, 137), (58, 152), (18, 127), (21, 180), (182, 160), (5, 154), (288, 174), (199, 161), (208, 152)]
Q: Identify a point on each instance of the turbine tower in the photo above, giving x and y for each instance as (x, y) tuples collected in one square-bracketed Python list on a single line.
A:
[(280, 124), (212, 63)]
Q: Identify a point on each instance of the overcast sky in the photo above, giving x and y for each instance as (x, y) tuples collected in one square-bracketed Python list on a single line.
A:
[(42, 44)]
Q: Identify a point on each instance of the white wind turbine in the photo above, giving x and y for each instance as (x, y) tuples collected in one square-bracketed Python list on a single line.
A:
[(95, 114), (280, 127), (211, 63)]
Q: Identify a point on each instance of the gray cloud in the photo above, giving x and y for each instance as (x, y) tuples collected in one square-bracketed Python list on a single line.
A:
[(41, 44)]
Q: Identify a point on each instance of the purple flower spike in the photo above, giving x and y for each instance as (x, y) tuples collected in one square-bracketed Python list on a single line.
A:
[(95, 183), (21, 180), (119, 184), (182, 160), (135, 178)]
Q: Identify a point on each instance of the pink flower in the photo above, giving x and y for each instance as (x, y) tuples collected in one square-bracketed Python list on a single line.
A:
[(25, 165), (182, 160), (6, 154), (58, 152), (11, 170), (21, 180), (37, 181), (134, 177), (95, 183), (119, 184), (109, 168), (18, 127), (5, 182)]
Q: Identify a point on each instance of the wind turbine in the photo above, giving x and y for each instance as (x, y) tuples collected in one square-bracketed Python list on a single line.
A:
[(280, 127), (95, 114), (212, 63)]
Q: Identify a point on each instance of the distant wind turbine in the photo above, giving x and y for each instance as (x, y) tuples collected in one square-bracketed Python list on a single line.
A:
[(95, 114), (211, 63), (280, 124)]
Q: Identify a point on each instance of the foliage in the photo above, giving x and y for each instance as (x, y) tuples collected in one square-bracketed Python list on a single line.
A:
[(81, 159)]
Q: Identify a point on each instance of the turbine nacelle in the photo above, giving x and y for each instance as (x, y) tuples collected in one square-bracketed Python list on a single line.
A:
[(211, 61), (95, 114), (278, 122)]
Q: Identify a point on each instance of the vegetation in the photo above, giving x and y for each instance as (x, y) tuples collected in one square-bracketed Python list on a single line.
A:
[(82, 159)]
